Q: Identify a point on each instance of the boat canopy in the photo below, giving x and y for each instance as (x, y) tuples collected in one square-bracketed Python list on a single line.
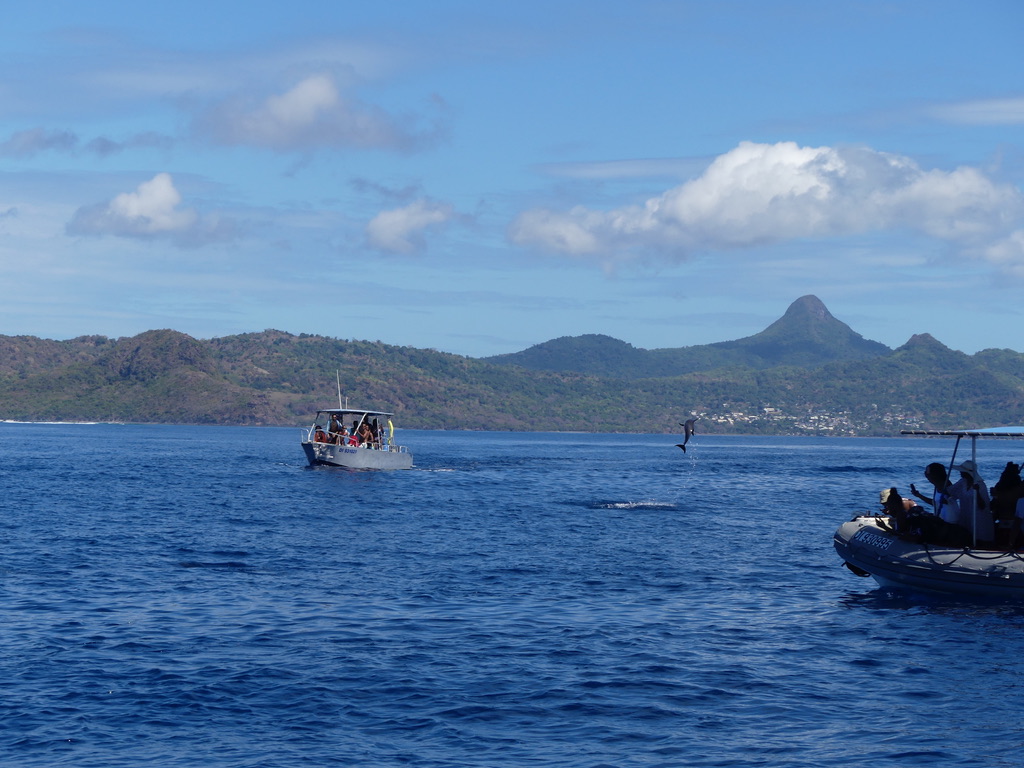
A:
[(983, 432), (353, 412)]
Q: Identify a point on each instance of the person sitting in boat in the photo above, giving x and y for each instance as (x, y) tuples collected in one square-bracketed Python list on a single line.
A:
[(365, 435), (319, 436), (1006, 490), (1007, 494), (942, 502), (913, 522), (905, 513), (945, 507), (975, 505), (341, 435)]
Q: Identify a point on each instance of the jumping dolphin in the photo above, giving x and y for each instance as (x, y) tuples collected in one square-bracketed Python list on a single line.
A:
[(687, 432)]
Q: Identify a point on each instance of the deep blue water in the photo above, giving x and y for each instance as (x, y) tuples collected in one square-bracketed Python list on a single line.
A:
[(197, 596)]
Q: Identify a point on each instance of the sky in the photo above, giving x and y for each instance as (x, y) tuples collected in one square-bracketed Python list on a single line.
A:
[(477, 178)]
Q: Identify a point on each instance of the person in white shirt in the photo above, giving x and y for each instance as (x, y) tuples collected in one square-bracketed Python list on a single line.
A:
[(942, 502), (975, 505)]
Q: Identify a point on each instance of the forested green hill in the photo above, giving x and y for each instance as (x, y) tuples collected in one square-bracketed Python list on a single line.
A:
[(280, 378)]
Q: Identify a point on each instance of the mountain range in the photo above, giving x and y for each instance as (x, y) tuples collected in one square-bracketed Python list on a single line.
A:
[(806, 336), (806, 373)]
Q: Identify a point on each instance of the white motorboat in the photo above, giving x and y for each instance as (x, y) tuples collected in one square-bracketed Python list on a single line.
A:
[(871, 546), (354, 438)]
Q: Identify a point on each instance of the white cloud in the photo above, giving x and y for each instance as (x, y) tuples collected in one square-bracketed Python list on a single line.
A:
[(767, 193), (153, 207), (400, 230), (312, 114), (1008, 252), (152, 210)]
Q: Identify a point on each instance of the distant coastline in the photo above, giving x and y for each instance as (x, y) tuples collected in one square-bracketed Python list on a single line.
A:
[(806, 374)]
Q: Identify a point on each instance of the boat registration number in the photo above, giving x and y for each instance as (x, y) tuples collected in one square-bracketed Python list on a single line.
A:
[(864, 536)]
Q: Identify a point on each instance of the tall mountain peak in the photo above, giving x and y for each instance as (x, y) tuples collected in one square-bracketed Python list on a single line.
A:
[(808, 306), (806, 335), (807, 315), (924, 349), (923, 340)]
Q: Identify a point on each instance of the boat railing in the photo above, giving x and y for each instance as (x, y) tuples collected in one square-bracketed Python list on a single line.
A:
[(309, 434)]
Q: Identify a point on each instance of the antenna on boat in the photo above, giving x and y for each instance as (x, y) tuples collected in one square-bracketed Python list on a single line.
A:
[(337, 373)]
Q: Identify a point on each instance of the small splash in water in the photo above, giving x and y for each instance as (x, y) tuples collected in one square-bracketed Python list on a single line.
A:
[(634, 505)]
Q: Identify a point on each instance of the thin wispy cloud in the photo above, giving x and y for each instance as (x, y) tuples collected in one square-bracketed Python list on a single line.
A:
[(34, 141), (624, 169), (1007, 111), (313, 114)]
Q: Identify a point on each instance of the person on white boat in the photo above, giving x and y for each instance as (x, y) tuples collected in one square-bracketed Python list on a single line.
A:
[(972, 496), (365, 435), (341, 435), (1008, 505), (942, 502), (911, 521), (1006, 491), (904, 512)]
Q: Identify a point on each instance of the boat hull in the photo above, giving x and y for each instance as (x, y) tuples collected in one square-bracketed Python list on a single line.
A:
[(869, 546), (355, 457)]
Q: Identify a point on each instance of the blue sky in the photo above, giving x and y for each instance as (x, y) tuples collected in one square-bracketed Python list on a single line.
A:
[(480, 177)]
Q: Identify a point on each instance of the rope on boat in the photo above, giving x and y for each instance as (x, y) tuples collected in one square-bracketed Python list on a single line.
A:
[(936, 562), (881, 521)]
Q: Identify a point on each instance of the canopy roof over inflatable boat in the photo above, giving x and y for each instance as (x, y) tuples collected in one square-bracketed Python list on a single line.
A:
[(984, 432)]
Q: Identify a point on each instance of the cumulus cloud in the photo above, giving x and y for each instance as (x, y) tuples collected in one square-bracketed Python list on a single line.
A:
[(153, 210), (313, 114), (768, 193), (400, 230)]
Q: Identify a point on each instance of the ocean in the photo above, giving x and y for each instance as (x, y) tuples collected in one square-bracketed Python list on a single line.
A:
[(198, 596)]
